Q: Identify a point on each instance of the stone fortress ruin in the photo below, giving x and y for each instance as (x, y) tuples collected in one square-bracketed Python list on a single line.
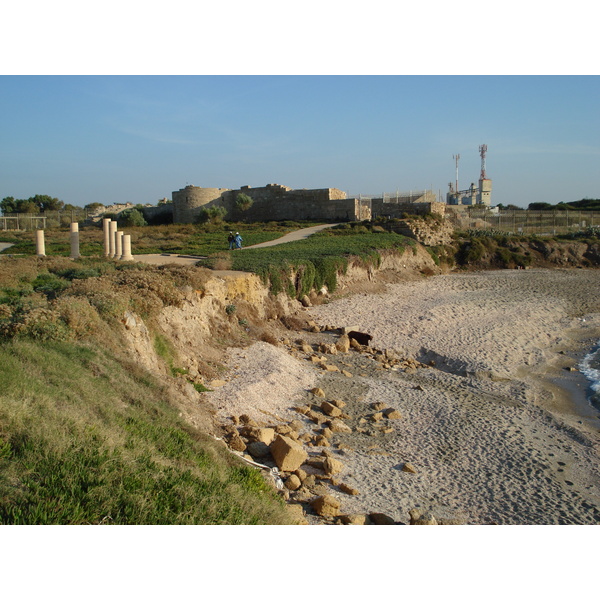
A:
[(275, 202)]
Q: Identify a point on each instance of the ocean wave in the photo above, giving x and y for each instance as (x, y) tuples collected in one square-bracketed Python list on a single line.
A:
[(590, 367)]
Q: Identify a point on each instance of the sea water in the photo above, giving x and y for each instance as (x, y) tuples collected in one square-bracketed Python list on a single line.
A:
[(590, 367)]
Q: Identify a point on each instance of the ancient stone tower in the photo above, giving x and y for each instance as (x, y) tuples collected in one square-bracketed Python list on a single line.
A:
[(188, 202)]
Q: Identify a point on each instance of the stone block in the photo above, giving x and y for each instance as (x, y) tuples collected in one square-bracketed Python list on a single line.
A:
[(287, 453)]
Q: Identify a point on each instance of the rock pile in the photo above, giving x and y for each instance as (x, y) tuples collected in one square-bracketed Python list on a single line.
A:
[(308, 451)]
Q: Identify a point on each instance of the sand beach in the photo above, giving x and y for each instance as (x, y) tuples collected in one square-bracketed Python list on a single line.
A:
[(495, 423)]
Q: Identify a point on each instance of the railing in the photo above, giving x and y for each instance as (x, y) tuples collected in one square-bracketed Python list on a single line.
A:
[(525, 222), (44, 220)]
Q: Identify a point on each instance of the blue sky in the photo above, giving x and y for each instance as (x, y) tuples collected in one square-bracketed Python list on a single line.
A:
[(137, 138)]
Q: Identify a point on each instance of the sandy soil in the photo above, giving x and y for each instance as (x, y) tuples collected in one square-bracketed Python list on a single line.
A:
[(491, 440)]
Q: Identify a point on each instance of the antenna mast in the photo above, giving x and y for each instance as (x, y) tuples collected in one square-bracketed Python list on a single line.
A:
[(456, 158), (482, 151)]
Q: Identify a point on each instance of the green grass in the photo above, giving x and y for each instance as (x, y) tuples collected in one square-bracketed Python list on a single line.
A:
[(195, 240), (85, 438), (317, 260)]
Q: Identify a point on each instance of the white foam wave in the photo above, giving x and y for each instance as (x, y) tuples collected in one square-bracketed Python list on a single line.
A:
[(590, 367)]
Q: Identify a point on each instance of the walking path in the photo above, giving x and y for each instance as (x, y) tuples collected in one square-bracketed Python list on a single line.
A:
[(182, 259)]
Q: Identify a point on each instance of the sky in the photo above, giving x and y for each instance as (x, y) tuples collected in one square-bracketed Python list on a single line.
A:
[(136, 139)]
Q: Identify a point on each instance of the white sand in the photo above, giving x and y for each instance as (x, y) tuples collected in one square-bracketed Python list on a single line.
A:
[(477, 426)]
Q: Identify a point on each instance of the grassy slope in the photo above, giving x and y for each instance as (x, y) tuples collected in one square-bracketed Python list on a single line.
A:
[(85, 438)]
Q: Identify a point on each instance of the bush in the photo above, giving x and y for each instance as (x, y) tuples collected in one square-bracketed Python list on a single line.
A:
[(131, 218)]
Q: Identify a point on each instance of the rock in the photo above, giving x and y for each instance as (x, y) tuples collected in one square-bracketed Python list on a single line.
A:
[(346, 373), (376, 417), (305, 301), (408, 468), (355, 519), (338, 426), (344, 487), (381, 519), (258, 449), (305, 437), (259, 434), (332, 466), (288, 454), (391, 413), (216, 383), (321, 440), (316, 417), (338, 403), (330, 368), (247, 420), (237, 443), (318, 392), (326, 506), (343, 344), (362, 338), (354, 344), (293, 482), (419, 517), (330, 409), (326, 432), (297, 514), (283, 429), (306, 348), (296, 425), (301, 474), (303, 495), (379, 406), (302, 409)]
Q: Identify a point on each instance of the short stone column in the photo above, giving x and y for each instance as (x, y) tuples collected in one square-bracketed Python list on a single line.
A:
[(126, 255), (40, 244), (75, 240), (118, 244), (112, 228), (106, 230)]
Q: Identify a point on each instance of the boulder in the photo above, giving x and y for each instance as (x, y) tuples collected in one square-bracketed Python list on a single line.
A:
[(419, 517), (362, 338), (381, 519), (326, 506), (338, 426), (306, 348), (346, 373), (258, 449), (237, 443), (330, 409), (332, 466), (318, 392), (305, 300), (343, 344), (344, 487), (287, 453), (391, 413), (355, 519), (321, 440), (293, 482)]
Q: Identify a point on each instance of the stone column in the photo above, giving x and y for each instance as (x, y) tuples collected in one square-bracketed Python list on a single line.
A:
[(105, 228), (112, 228), (40, 245), (75, 240), (126, 255), (118, 244)]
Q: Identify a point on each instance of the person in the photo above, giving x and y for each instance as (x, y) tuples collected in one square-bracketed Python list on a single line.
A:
[(238, 240), (231, 240)]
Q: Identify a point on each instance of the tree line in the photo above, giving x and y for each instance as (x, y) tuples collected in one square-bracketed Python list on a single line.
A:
[(38, 204)]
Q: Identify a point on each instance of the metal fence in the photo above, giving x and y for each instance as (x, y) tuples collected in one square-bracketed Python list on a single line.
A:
[(47, 219), (525, 222)]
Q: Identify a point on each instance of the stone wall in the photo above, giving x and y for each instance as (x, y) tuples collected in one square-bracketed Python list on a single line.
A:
[(189, 201), (280, 203), (395, 210)]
